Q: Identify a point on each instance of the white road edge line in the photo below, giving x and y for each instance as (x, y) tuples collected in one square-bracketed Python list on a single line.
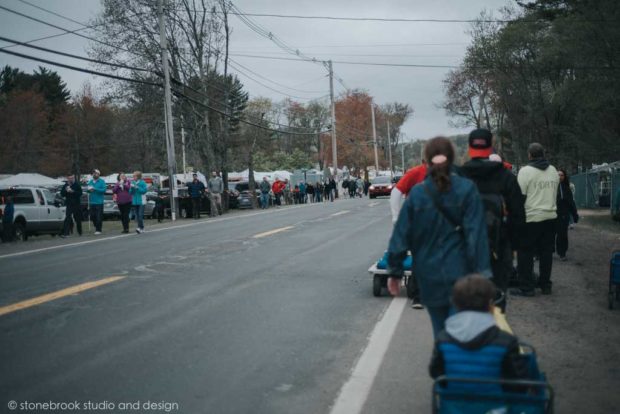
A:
[(61, 246), (354, 392), (340, 213)]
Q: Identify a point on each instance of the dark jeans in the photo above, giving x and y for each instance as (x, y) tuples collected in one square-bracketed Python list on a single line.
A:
[(536, 239), (438, 315), (561, 235), (124, 209), (278, 196), (196, 207), (96, 215), (74, 213)]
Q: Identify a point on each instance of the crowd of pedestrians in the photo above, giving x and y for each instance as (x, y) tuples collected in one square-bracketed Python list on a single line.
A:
[(463, 227)]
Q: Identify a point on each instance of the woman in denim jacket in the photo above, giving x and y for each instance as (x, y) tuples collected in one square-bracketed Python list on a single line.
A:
[(442, 223)]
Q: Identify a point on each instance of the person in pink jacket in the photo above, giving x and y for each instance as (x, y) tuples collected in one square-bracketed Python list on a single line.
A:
[(123, 199)]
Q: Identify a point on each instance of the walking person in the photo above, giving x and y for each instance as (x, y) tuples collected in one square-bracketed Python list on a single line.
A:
[(216, 188), (96, 190), (539, 182), (138, 199), (72, 193), (8, 216), (264, 188), (442, 224), (503, 205), (566, 210), (123, 199), (196, 190)]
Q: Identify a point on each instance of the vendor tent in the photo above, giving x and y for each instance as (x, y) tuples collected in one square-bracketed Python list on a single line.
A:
[(31, 179)]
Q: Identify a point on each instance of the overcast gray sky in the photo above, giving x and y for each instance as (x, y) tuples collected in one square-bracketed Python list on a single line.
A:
[(387, 42)]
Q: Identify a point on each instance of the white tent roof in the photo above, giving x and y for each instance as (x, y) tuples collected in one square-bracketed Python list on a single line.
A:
[(258, 175), (30, 179)]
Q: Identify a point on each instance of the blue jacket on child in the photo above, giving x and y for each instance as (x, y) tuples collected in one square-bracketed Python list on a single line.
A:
[(472, 346)]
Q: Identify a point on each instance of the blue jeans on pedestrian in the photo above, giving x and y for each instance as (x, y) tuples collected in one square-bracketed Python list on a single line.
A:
[(139, 211), (264, 200), (438, 315), (96, 215)]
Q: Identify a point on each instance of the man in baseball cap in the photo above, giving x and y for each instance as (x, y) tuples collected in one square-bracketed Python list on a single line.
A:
[(502, 200)]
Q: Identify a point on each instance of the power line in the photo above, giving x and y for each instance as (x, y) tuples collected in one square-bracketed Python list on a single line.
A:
[(269, 80), (179, 94), (351, 63), (52, 12), (74, 32), (92, 72), (119, 65), (269, 87)]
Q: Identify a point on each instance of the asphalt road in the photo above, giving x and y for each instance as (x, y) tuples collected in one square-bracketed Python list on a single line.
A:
[(262, 312)]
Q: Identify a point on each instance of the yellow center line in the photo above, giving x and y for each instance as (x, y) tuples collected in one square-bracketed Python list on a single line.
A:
[(270, 232), (57, 295)]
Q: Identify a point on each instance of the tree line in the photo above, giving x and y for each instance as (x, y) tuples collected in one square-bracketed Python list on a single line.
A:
[(121, 125), (547, 71)]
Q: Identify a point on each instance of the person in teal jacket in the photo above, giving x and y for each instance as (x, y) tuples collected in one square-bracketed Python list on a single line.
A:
[(96, 191), (442, 224), (138, 199)]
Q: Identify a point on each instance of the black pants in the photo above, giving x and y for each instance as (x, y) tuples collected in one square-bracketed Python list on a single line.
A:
[(196, 207), (501, 266), (73, 213), (278, 197), (536, 239), (413, 291), (8, 232), (124, 209), (561, 235), (96, 215)]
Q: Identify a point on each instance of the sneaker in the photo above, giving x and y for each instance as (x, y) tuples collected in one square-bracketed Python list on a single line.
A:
[(563, 258), (97, 233), (521, 292), (415, 304), (63, 236), (125, 231), (139, 231)]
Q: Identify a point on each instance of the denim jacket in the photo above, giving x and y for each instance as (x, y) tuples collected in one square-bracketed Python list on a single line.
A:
[(441, 255)]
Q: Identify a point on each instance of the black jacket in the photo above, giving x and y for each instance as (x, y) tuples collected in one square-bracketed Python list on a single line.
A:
[(566, 203), (72, 199), (492, 177)]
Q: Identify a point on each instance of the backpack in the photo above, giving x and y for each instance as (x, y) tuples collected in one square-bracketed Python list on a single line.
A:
[(493, 203)]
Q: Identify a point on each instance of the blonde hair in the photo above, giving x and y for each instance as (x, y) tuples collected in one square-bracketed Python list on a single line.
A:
[(138, 173)]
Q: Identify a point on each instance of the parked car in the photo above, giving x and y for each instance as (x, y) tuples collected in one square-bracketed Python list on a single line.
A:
[(380, 186), (37, 211), (233, 195), (110, 208), (244, 197)]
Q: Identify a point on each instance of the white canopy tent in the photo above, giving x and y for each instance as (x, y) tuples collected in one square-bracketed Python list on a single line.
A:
[(31, 179)]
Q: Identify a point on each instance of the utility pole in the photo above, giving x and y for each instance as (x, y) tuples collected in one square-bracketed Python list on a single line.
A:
[(389, 142), (183, 143), (374, 137), (402, 153), (331, 97), (168, 111)]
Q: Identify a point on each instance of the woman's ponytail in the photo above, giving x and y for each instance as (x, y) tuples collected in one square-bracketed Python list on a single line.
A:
[(439, 155)]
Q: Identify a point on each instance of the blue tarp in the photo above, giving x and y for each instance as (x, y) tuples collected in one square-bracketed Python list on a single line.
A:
[(382, 263)]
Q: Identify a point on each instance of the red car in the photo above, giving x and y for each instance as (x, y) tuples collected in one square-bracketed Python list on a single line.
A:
[(380, 186)]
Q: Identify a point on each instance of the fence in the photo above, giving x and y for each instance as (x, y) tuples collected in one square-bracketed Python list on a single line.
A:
[(596, 189)]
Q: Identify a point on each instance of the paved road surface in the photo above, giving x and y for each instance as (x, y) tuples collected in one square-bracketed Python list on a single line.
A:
[(264, 312)]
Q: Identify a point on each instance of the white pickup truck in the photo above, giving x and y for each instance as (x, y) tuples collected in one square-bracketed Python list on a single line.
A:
[(36, 211)]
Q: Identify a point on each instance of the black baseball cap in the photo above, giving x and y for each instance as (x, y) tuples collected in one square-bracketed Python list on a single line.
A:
[(480, 143)]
